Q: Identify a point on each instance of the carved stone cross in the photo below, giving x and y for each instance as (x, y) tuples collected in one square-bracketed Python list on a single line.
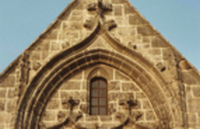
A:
[(128, 104), (70, 103), (100, 7)]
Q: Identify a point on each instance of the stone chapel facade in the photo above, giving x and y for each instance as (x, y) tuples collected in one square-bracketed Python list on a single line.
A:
[(100, 65)]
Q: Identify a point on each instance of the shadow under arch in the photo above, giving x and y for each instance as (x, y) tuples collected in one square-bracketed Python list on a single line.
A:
[(50, 77)]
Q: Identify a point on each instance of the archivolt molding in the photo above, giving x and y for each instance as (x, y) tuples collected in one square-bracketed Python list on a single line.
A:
[(46, 82)]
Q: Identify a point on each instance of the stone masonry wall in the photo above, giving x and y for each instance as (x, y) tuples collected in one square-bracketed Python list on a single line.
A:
[(119, 87), (8, 100)]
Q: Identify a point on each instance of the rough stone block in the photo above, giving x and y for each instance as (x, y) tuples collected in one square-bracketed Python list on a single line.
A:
[(35, 55), (118, 10), (154, 52), (11, 93), (71, 85), (158, 42), (53, 104), (11, 105), (189, 78), (118, 1), (114, 86), (2, 105), (105, 118), (8, 82), (52, 35), (91, 118), (136, 19), (196, 91), (129, 87), (44, 45), (193, 105), (2, 93), (4, 118), (146, 104), (140, 95), (55, 45), (49, 116), (192, 118), (146, 30), (45, 54), (150, 116), (128, 9), (168, 54)]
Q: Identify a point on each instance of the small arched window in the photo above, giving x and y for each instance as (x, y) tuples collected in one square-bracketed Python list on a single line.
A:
[(98, 97)]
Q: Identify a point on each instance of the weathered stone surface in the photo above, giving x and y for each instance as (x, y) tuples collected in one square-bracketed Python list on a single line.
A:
[(196, 91), (49, 116), (118, 10), (184, 65), (3, 93), (120, 76), (146, 104), (105, 118), (146, 30), (11, 93), (140, 95), (158, 42), (91, 118), (192, 118), (136, 19), (150, 116), (128, 9), (71, 85), (168, 54), (84, 108), (11, 105), (4, 118), (129, 65), (129, 87), (194, 105), (189, 78), (8, 82), (62, 115), (53, 104), (2, 105), (118, 1), (112, 108), (114, 86)]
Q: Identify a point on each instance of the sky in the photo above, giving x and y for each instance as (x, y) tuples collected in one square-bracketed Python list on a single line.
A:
[(21, 22)]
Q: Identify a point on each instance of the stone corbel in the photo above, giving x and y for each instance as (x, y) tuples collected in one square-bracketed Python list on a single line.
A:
[(107, 7), (89, 24), (110, 25), (92, 7)]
